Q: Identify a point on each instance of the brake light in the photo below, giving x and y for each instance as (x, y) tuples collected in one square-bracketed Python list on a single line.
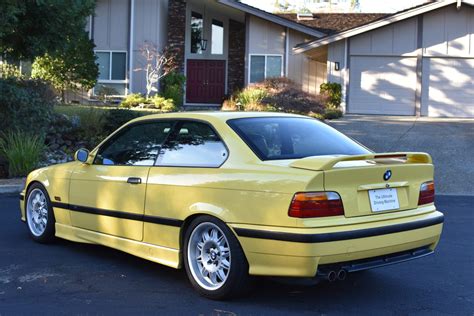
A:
[(316, 204), (427, 193)]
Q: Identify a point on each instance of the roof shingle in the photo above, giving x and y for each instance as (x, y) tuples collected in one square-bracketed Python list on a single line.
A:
[(331, 23)]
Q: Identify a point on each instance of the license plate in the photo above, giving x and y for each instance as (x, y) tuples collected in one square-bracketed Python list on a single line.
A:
[(383, 200)]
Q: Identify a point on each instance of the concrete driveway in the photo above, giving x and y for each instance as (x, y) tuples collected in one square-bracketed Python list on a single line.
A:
[(449, 141)]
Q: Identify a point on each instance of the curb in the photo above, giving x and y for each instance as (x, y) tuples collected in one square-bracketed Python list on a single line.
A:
[(13, 188)]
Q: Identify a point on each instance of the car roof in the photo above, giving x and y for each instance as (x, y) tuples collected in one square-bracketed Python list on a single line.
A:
[(214, 115)]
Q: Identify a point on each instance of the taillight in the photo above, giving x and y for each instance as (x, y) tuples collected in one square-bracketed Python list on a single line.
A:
[(427, 193), (316, 204)]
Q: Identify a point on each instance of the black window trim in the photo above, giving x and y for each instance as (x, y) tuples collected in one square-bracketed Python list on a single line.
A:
[(177, 122), (256, 151)]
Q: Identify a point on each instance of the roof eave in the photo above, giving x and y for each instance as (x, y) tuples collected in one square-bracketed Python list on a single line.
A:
[(272, 17), (301, 48)]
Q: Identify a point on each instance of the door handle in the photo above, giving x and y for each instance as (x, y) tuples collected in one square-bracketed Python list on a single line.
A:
[(133, 180)]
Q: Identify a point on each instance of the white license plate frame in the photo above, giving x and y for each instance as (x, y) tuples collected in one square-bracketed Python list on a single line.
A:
[(382, 200)]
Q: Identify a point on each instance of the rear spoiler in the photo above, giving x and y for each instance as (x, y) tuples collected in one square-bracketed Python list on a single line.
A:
[(328, 162)]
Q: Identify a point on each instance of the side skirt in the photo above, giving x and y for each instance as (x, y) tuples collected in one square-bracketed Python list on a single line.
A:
[(166, 256)]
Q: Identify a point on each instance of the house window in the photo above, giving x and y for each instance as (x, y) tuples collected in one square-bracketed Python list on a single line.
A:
[(217, 45), (112, 73), (265, 66), (196, 32)]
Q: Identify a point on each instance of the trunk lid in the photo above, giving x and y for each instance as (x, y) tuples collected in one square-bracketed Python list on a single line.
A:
[(375, 183)]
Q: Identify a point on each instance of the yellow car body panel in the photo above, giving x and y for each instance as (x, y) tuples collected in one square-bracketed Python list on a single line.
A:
[(95, 204)]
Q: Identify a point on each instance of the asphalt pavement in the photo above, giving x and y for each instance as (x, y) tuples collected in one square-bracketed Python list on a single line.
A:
[(70, 278)]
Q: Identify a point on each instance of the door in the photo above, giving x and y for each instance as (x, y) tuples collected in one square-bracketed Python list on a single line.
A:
[(188, 165), (205, 81), (382, 85), (448, 87), (108, 196)]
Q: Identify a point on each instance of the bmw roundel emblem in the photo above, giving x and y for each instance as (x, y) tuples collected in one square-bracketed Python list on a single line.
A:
[(387, 175)]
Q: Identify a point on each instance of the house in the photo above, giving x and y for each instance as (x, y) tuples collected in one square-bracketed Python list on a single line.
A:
[(415, 62)]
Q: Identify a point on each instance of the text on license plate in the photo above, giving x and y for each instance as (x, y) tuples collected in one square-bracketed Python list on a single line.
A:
[(383, 200)]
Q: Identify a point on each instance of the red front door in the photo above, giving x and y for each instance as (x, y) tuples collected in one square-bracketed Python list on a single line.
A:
[(205, 81)]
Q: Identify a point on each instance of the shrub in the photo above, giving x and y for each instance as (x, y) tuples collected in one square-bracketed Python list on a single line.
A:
[(333, 92), (331, 114), (9, 71), (318, 116), (230, 104), (91, 125), (113, 119), (159, 102), (25, 105), (132, 100), (22, 151), (276, 94), (172, 85), (104, 92), (250, 99)]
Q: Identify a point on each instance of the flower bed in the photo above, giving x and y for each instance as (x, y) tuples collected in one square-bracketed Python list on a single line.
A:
[(281, 95)]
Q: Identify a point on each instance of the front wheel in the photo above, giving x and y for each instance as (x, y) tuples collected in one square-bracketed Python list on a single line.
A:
[(39, 214), (214, 261)]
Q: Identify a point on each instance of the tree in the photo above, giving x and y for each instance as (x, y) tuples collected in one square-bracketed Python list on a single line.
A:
[(31, 28), (157, 65), (70, 69)]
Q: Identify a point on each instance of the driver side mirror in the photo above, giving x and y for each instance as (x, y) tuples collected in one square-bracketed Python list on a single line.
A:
[(81, 155)]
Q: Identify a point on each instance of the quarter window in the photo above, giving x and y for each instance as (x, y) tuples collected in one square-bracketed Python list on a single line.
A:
[(265, 66), (138, 145), (194, 144)]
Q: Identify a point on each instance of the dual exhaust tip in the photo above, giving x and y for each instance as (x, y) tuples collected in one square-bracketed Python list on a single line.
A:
[(334, 275)]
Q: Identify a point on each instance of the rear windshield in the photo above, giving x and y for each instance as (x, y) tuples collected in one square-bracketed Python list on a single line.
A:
[(293, 138)]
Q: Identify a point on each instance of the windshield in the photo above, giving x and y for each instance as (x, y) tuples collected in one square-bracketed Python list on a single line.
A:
[(293, 138)]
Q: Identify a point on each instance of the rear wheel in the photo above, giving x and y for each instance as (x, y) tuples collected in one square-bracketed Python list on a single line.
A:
[(214, 261), (39, 214)]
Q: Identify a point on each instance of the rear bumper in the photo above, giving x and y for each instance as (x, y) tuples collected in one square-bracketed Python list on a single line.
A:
[(380, 261), (298, 252)]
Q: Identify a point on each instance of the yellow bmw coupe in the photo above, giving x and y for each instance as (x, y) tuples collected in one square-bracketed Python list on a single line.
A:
[(229, 195)]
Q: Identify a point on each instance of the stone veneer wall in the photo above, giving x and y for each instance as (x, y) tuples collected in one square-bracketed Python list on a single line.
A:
[(236, 59), (177, 30)]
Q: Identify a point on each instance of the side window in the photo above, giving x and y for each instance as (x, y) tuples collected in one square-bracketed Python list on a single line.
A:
[(194, 144), (137, 145)]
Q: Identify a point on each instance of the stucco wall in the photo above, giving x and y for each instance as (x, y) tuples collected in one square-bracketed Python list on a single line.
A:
[(336, 53), (150, 25), (395, 39), (270, 38), (265, 37), (302, 69), (111, 25), (449, 32)]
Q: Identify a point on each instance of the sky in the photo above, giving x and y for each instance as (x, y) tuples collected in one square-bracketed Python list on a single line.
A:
[(379, 6)]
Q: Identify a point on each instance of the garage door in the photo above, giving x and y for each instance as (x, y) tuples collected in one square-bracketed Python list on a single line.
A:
[(382, 85), (448, 87)]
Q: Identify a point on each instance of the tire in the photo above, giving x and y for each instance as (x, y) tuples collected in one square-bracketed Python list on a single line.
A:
[(39, 214), (214, 260)]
